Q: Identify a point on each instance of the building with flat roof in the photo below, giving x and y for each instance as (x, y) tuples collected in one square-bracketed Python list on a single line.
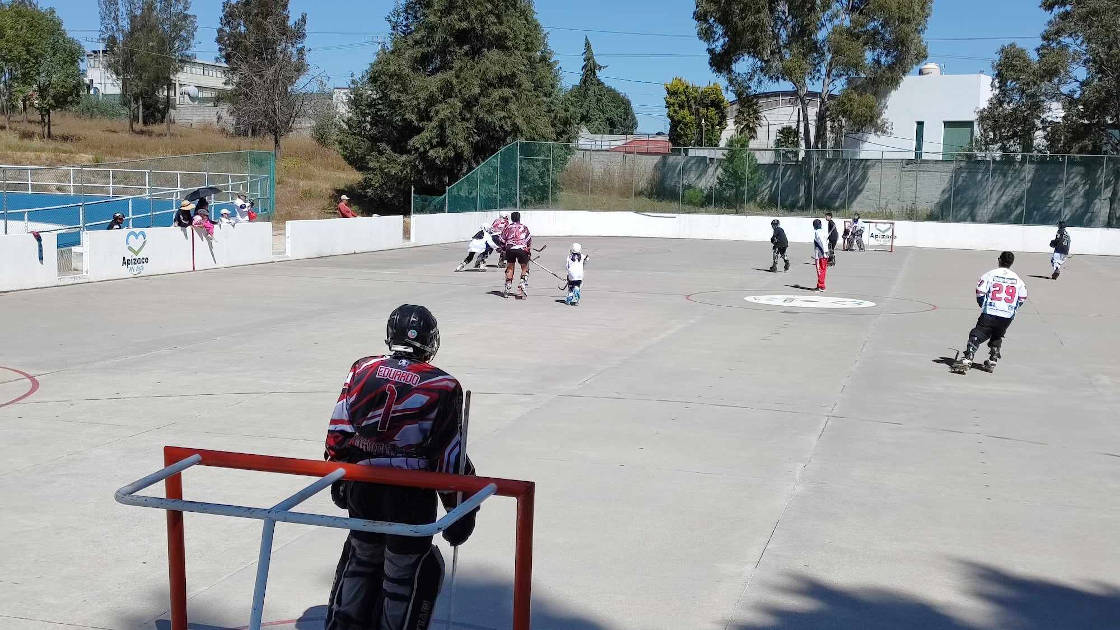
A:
[(199, 82)]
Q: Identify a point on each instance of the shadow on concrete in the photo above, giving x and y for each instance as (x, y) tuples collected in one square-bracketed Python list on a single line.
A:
[(1016, 602), (802, 287), (480, 604)]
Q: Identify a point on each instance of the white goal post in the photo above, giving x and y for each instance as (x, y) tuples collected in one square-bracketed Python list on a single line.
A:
[(877, 236)]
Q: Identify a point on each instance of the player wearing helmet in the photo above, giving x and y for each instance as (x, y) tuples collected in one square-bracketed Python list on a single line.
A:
[(117, 222), (397, 411), (1060, 243), (576, 259), (780, 243), (497, 228)]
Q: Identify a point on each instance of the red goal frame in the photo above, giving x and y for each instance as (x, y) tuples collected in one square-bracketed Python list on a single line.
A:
[(522, 491)]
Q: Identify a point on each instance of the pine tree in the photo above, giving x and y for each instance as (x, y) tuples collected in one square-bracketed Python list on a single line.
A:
[(458, 81), (595, 105)]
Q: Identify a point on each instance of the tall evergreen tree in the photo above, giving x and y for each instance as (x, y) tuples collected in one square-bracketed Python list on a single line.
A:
[(458, 80), (268, 62), (595, 105)]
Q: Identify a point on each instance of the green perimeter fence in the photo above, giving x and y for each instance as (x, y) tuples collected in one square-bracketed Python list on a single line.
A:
[(1034, 189)]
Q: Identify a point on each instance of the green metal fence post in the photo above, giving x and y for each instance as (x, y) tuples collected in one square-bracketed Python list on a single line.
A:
[(590, 175), (518, 192), (1065, 179), (991, 209), (550, 172), (4, 196), (1024, 161), (882, 164), (953, 188), (680, 188), (781, 161), (847, 184)]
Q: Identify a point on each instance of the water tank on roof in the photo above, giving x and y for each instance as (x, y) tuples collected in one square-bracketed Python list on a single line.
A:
[(930, 70)]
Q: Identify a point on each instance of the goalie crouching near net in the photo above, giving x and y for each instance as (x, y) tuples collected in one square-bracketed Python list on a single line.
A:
[(397, 411)]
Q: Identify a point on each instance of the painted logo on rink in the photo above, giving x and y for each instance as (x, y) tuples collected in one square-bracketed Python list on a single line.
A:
[(808, 301)]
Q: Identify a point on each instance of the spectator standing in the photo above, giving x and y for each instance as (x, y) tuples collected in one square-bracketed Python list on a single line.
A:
[(242, 205), (344, 210)]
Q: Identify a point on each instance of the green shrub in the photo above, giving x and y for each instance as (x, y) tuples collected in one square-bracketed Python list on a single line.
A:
[(693, 196), (91, 106)]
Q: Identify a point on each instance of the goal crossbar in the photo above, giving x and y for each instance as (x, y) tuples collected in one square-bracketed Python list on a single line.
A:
[(178, 459)]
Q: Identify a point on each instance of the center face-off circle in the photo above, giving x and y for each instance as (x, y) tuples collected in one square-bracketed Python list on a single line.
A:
[(808, 301)]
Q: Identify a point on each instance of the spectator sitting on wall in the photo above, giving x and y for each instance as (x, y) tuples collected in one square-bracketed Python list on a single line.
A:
[(117, 222), (225, 217), (202, 220), (183, 216), (344, 210)]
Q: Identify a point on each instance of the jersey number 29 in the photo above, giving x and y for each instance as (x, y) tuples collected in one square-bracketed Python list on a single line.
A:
[(1008, 293)]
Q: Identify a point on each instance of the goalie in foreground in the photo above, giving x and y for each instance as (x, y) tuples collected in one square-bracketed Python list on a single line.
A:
[(398, 411)]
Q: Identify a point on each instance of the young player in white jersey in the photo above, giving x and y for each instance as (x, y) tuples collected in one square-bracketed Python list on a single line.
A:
[(576, 260), (999, 294), (481, 243)]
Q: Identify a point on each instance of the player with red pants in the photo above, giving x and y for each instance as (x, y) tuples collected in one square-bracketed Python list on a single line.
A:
[(999, 294), (820, 253), (518, 245), (396, 411)]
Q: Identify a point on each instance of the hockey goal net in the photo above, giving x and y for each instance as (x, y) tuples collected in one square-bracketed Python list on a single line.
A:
[(871, 235), (177, 460)]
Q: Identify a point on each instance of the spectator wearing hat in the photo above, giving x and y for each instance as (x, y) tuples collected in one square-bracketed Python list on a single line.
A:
[(117, 222), (224, 218), (183, 217), (344, 210)]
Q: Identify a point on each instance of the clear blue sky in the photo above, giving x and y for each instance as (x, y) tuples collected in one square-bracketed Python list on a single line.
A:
[(637, 64)]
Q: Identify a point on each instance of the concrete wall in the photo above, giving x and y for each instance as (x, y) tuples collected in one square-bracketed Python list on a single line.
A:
[(452, 228), (150, 251), (330, 237), (20, 267)]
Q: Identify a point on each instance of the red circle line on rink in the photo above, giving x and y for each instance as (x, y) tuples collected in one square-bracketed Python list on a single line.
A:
[(30, 390)]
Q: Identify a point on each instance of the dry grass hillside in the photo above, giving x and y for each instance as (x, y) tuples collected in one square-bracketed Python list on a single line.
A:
[(309, 177)]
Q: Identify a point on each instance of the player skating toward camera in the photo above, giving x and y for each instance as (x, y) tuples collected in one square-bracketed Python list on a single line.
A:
[(1060, 243), (482, 243), (576, 260), (820, 253), (779, 242), (395, 411), (999, 294), (518, 243)]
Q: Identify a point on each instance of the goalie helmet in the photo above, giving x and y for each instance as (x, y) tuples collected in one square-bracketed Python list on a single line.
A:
[(412, 330), (577, 248), (774, 223)]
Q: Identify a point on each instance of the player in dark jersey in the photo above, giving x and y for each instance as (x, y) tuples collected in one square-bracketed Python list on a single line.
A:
[(399, 411)]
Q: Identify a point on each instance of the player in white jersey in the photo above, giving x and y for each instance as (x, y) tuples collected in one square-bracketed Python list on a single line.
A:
[(576, 260), (999, 294)]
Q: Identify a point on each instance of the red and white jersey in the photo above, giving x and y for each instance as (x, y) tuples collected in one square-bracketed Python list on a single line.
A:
[(516, 236), (499, 225), (1001, 292)]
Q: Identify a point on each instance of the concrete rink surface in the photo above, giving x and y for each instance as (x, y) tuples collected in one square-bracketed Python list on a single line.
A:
[(702, 461)]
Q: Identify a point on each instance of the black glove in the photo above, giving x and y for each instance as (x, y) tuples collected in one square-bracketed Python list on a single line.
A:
[(461, 530), (339, 490), (1054, 243)]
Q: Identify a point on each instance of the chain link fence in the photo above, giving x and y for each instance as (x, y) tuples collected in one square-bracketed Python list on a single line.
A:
[(1021, 189), (72, 199)]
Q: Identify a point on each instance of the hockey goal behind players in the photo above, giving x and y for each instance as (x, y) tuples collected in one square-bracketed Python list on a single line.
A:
[(871, 235)]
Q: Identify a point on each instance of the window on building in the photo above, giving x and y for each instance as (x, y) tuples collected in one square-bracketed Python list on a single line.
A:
[(919, 138), (957, 138)]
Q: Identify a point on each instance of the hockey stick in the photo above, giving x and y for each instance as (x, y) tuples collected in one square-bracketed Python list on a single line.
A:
[(458, 500), (547, 270), (543, 247)]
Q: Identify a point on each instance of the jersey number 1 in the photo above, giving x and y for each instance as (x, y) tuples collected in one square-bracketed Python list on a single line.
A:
[(387, 411)]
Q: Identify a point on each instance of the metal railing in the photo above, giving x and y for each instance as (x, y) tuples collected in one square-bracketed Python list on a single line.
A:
[(177, 460), (1083, 190)]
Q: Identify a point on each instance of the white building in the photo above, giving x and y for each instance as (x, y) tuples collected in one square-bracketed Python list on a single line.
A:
[(931, 116), (777, 109), (199, 82)]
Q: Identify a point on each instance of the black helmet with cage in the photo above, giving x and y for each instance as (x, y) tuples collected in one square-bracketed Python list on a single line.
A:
[(412, 331)]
